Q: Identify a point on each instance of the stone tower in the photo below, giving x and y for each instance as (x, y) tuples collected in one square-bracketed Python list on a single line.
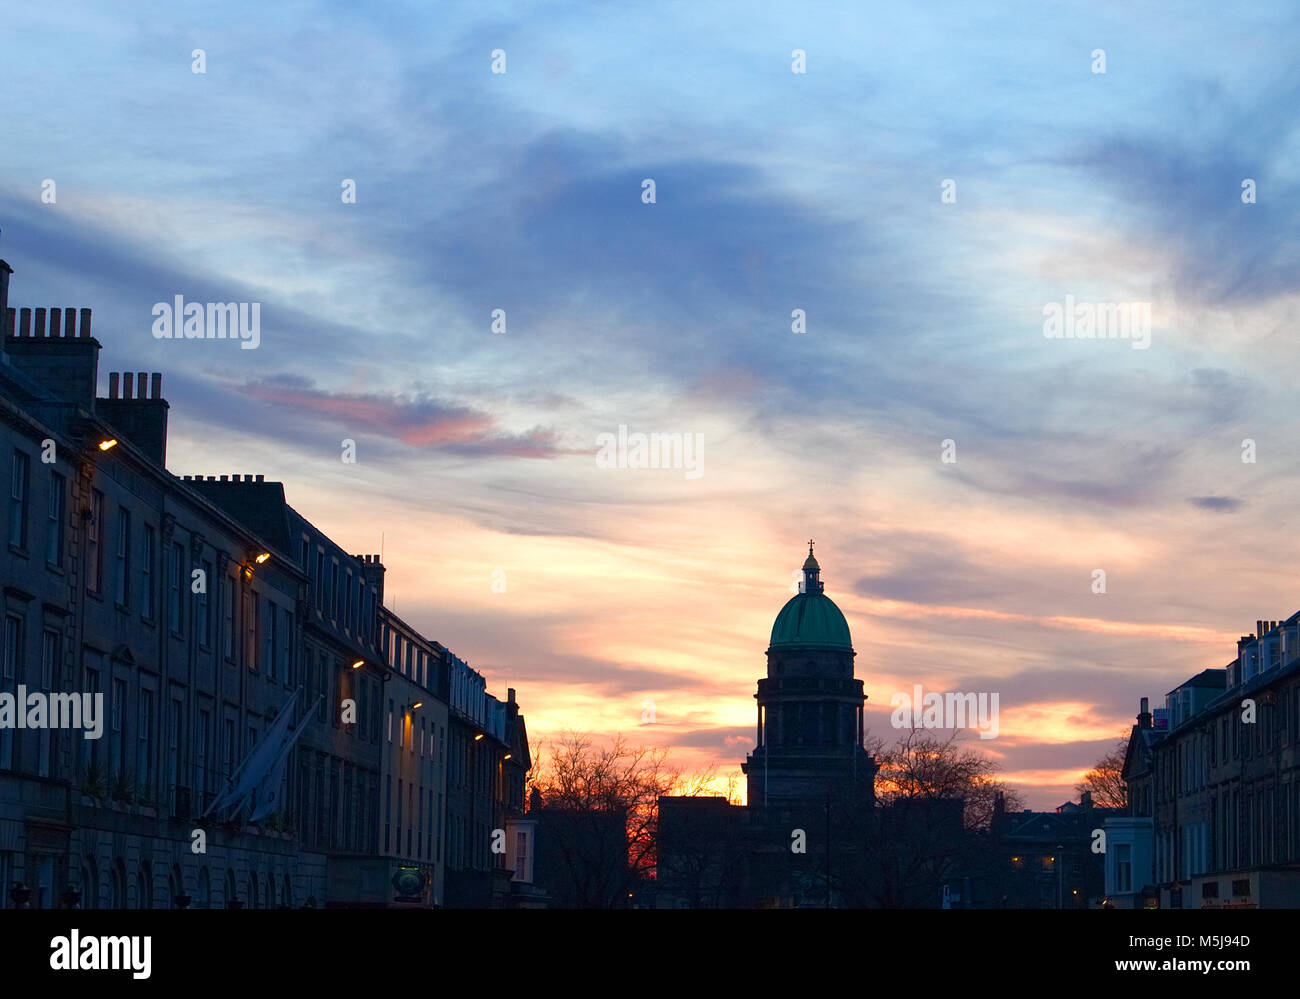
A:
[(810, 708)]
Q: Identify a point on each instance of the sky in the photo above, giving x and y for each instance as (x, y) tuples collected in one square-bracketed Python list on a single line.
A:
[(923, 191)]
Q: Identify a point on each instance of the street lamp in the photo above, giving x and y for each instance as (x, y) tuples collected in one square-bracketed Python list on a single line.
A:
[(1060, 899)]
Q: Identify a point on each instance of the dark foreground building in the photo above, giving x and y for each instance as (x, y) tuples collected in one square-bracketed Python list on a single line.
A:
[(811, 786), (1214, 787), (187, 624)]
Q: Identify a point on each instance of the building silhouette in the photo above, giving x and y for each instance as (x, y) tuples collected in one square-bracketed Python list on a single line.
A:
[(810, 784), (1214, 786), (211, 617)]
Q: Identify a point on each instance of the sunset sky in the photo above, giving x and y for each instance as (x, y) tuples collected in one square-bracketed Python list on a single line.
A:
[(775, 191)]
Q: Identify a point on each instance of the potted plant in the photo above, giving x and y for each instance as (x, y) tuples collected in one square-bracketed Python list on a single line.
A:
[(93, 784), (123, 789)]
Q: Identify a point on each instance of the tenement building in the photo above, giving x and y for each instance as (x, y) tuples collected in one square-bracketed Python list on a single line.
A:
[(263, 733), (1214, 787), (129, 589)]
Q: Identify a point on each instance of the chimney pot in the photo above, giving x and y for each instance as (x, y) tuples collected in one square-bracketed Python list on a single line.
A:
[(9, 321), (24, 322), (142, 386), (225, 478), (112, 384), (39, 328), (84, 328), (155, 388), (56, 319), (128, 385), (69, 322)]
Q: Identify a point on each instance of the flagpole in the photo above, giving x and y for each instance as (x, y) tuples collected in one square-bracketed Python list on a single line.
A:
[(236, 779)]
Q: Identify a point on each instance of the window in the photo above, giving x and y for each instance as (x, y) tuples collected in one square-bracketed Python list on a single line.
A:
[(144, 745), (94, 550), (18, 498), (96, 691), (228, 757), (175, 586), (201, 781), (202, 607), (121, 567), (13, 653), (285, 637), (49, 683), (248, 607), (306, 553), (228, 616), (174, 776), (146, 574), (268, 639), (388, 812), (326, 695), (54, 529), (319, 579), (116, 746), (1123, 867)]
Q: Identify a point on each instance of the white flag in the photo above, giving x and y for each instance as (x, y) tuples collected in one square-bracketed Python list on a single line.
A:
[(267, 796), (260, 760)]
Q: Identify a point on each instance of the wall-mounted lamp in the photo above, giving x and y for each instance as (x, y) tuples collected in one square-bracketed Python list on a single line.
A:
[(477, 737), (358, 664), (105, 445), (417, 704)]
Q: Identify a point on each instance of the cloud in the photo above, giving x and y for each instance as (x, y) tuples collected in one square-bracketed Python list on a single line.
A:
[(1217, 504), (419, 422)]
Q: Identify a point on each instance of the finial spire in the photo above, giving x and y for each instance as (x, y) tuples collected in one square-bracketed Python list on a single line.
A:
[(812, 581)]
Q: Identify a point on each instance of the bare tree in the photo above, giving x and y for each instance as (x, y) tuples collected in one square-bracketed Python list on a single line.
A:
[(926, 766), (936, 798), (601, 805), (1105, 781)]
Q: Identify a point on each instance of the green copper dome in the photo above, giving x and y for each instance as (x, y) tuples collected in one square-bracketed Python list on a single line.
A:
[(811, 618)]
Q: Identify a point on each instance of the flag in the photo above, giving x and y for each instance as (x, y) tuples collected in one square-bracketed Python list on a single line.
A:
[(259, 761), (267, 795)]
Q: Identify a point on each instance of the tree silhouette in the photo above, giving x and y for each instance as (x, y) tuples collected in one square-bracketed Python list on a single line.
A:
[(1105, 781)]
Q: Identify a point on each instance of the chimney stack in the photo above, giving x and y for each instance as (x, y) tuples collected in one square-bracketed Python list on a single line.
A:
[(135, 406), (5, 318), (1144, 715)]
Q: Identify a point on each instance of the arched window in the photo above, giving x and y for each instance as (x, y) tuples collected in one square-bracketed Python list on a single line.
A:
[(117, 886), (144, 886), (175, 884), (89, 884)]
